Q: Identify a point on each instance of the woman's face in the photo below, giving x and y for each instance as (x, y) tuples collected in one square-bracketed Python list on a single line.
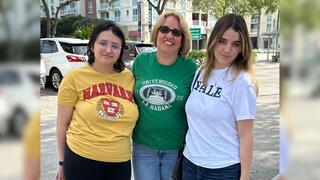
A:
[(227, 49), (107, 48), (169, 40)]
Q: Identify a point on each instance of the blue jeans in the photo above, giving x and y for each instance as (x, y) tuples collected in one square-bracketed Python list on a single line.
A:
[(191, 171), (151, 164)]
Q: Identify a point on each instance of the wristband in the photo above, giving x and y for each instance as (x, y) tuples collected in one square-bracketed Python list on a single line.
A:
[(60, 163)]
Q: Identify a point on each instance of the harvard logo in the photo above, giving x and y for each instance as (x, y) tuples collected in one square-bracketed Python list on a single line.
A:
[(109, 109)]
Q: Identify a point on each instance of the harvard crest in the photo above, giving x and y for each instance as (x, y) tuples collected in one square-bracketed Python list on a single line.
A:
[(109, 109)]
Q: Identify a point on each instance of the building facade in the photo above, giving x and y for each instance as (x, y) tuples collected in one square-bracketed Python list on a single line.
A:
[(136, 17), (268, 36), (73, 9)]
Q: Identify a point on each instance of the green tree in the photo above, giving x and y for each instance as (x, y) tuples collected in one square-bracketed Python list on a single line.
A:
[(51, 27), (83, 32), (255, 9), (219, 8), (66, 25)]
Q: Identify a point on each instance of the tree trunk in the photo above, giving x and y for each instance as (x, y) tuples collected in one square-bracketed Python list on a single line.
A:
[(160, 6), (48, 22)]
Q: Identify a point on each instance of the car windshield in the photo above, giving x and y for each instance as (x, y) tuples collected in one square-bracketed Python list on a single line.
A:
[(80, 49), (9, 77)]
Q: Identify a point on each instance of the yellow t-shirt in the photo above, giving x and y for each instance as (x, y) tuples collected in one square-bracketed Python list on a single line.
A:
[(104, 113), (31, 137)]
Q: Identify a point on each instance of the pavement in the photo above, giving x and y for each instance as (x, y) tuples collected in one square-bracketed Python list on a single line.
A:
[(266, 144)]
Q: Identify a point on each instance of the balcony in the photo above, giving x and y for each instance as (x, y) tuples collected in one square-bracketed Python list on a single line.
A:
[(68, 11), (104, 6), (199, 23)]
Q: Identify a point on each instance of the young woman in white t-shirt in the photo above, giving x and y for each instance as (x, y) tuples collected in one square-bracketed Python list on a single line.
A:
[(222, 106)]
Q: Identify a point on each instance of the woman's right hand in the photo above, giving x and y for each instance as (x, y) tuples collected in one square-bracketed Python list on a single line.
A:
[(60, 173)]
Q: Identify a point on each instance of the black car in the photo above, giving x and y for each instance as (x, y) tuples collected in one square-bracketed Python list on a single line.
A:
[(133, 48)]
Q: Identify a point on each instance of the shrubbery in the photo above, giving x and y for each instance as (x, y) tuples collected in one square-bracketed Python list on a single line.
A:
[(199, 56)]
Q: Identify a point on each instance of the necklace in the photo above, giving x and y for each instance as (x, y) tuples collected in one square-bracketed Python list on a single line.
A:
[(218, 79)]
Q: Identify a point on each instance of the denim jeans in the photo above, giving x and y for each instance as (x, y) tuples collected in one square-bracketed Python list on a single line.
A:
[(151, 164), (191, 171)]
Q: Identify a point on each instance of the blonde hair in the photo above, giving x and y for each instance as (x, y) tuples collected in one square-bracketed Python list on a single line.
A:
[(244, 60), (185, 41)]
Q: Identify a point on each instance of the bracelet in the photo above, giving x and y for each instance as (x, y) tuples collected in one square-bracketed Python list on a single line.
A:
[(60, 163)]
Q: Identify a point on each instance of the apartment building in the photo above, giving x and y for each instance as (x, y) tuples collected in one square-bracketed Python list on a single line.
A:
[(269, 30), (136, 17), (74, 8)]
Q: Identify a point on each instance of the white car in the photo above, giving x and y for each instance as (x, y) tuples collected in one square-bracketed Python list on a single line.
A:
[(60, 55), (19, 96), (43, 76)]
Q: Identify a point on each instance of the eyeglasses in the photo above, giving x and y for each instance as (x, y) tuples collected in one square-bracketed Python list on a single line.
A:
[(166, 30), (105, 44)]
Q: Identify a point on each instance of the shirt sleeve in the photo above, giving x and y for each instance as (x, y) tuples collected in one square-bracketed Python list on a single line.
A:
[(244, 104), (67, 94)]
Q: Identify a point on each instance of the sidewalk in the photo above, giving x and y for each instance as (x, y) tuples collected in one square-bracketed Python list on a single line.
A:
[(265, 163)]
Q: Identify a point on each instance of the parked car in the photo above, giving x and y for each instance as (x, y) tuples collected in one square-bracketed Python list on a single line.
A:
[(43, 77), (19, 96), (133, 48), (60, 55)]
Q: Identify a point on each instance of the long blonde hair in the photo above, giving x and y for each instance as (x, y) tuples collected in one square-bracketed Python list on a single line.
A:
[(244, 60), (186, 36)]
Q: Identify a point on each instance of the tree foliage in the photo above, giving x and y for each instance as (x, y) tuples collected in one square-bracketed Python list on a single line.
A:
[(66, 25), (52, 22), (219, 8), (83, 32)]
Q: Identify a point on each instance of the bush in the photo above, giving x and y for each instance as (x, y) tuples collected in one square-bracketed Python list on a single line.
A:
[(83, 32), (199, 56), (66, 26)]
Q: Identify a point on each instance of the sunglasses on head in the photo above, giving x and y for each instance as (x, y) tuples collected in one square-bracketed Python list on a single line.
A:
[(166, 30)]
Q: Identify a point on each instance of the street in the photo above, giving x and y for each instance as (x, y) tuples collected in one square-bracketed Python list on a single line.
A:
[(266, 143)]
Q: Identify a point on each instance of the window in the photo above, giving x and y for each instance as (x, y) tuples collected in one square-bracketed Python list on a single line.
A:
[(274, 25), (135, 15), (105, 15), (74, 48), (9, 77), (73, 5), (253, 28), (134, 2), (89, 5), (127, 13), (269, 17), (49, 47), (52, 1), (183, 4), (117, 16), (117, 3), (268, 28), (254, 19)]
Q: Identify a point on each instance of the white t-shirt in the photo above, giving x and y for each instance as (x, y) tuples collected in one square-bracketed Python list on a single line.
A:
[(212, 139)]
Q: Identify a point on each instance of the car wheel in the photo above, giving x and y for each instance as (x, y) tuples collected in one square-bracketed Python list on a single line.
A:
[(55, 78), (18, 122)]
